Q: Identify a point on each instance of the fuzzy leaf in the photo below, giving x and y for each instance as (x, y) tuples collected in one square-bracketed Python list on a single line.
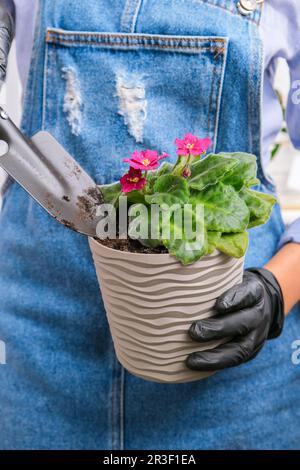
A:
[(210, 170), (212, 240), (145, 222), (152, 176), (110, 192), (169, 189), (252, 182), (233, 244), (224, 210), (243, 172), (186, 250), (165, 169), (260, 206), (135, 197)]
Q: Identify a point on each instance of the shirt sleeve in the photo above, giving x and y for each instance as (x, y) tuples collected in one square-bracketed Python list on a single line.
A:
[(292, 233), (293, 60)]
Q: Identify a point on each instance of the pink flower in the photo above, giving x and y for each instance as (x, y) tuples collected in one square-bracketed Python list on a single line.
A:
[(133, 180), (191, 145), (145, 160)]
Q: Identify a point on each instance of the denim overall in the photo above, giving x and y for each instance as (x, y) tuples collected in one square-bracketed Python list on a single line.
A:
[(108, 77)]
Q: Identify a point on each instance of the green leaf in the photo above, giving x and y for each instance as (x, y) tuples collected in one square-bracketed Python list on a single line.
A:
[(212, 240), (144, 219), (260, 206), (245, 170), (224, 210), (169, 189), (252, 182), (165, 169), (110, 192), (185, 249), (233, 244), (150, 242), (152, 176), (210, 170), (135, 197), (275, 150)]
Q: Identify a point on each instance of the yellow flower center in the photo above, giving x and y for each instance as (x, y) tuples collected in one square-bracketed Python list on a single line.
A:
[(134, 180), (190, 146), (146, 162)]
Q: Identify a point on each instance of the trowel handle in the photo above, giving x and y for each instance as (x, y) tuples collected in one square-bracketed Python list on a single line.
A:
[(11, 137), (19, 157)]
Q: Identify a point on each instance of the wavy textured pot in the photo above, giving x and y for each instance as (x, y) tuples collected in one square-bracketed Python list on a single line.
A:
[(151, 301)]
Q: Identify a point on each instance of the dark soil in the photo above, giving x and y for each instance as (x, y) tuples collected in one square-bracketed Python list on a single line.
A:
[(131, 245)]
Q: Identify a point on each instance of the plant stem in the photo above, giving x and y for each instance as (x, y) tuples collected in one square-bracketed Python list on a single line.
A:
[(116, 199), (178, 167)]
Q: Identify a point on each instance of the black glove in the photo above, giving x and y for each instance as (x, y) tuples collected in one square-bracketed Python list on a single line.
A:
[(7, 31), (248, 313)]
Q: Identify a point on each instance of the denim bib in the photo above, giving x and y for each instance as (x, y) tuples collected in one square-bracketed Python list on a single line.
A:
[(108, 77)]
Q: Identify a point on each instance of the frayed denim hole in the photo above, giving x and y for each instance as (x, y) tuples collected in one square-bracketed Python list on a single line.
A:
[(131, 92), (72, 100)]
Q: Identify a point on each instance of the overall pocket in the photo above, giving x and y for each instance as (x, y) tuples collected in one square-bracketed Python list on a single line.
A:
[(106, 94)]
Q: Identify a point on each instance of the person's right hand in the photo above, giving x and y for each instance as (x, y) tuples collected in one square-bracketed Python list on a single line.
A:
[(249, 313), (7, 31)]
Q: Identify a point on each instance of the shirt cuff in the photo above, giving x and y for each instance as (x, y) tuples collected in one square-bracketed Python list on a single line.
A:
[(292, 234)]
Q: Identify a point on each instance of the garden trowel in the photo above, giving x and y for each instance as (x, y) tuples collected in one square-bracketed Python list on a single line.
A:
[(51, 176)]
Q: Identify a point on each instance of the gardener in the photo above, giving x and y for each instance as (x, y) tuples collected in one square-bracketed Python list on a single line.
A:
[(61, 386)]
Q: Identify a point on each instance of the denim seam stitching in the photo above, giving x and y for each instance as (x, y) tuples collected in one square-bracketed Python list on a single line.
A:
[(122, 422), (188, 47), (34, 67), (159, 46), (117, 404), (211, 98), (111, 407), (150, 46), (135, 15), (50, 106), (45, 78), (126, 16), (56, 36), (63, 32), (130, 14), (216, 73), (250, 75), (216, 132), (113, 398), (32, 75)]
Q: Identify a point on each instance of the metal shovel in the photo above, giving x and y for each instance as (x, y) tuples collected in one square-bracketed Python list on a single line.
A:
[(51, 176)]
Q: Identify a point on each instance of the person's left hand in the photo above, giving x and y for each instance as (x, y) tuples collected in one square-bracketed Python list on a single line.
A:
[(248, 313)]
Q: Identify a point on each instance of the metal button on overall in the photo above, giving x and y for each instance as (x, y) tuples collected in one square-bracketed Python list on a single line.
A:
[(246, 7)]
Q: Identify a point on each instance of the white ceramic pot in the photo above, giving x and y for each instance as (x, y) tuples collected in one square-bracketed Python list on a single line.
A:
[(151, 301)]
